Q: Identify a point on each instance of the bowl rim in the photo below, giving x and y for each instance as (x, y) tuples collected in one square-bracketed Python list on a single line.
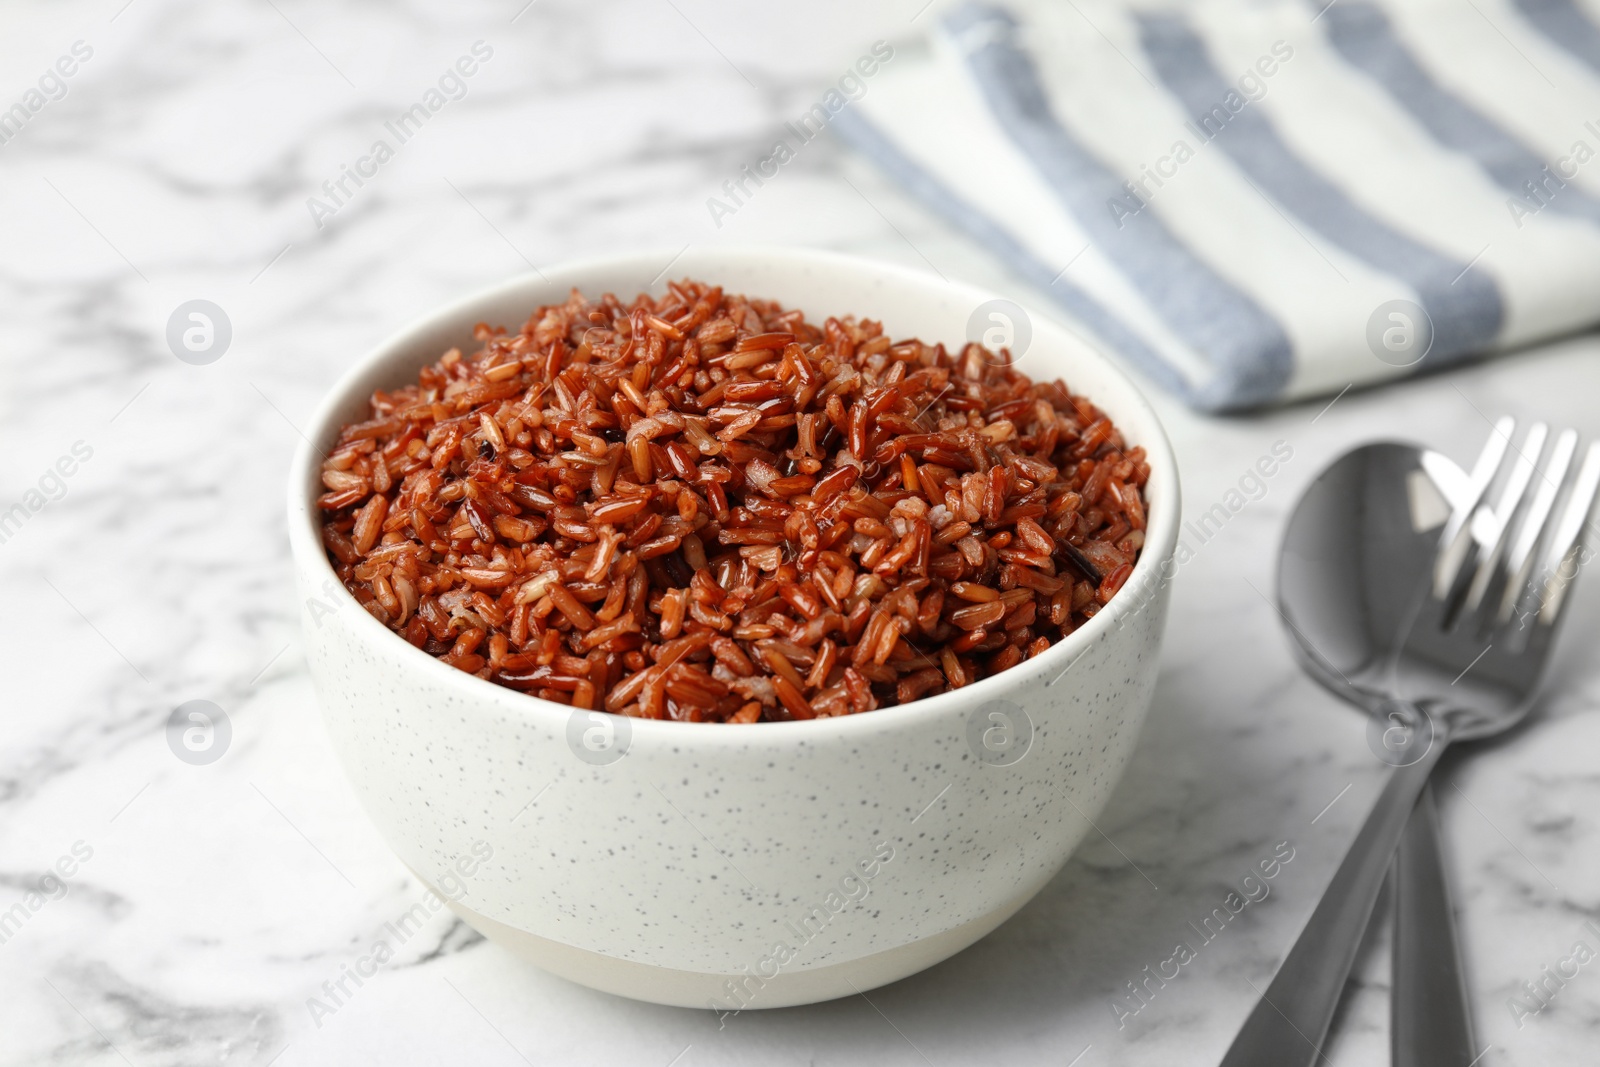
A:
[(1162, 502)]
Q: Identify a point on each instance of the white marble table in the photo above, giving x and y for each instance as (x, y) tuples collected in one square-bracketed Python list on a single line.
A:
[(206, 904)]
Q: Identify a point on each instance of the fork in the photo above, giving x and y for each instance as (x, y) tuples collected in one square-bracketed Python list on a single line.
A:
[(1480, 566), (1430, 1021)]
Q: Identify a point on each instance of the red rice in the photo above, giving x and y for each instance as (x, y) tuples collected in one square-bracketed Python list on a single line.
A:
[(703, 507)]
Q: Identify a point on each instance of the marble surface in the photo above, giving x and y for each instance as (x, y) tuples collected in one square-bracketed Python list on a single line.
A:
[(206, 904)]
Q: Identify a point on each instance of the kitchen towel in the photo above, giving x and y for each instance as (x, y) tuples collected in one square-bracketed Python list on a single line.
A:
[(1261, 200)]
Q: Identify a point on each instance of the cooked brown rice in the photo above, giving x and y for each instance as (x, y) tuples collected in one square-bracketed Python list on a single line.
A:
[(704, 507)]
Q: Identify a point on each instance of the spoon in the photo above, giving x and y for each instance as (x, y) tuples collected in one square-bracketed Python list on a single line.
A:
[(1430, 1018), (1355, 584)]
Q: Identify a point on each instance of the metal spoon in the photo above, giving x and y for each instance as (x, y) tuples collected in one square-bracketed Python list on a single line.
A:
[(1355, 590)]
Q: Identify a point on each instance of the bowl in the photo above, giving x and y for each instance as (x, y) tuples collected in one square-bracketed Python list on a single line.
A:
[(725, 866)]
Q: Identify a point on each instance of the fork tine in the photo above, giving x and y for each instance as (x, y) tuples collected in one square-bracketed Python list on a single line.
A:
[(1489, 526), (1560, 565), (1454, 544), (1519, 561)]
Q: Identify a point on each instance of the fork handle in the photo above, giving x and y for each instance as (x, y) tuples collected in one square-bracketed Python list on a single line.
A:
[(1430, 1024), (1287, 1027)]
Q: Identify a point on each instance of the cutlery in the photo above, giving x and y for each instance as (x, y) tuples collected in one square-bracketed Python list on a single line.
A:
[(1412, 625), (1430, 1022)]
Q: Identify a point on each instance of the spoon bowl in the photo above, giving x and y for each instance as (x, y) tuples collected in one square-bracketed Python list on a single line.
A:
[(1353, 578), (1356, 558)]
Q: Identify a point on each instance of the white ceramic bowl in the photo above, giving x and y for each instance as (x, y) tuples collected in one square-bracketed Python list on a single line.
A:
[(736, 866)]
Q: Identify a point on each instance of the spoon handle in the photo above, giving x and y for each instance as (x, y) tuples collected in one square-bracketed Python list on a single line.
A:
[(1287, 1027), (1430, 1024)]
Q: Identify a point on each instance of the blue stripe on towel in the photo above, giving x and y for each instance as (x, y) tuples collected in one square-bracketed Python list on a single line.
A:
[(1367, 39), (1566, 26), (1465, 306), (1248, 347), (1216, 395)]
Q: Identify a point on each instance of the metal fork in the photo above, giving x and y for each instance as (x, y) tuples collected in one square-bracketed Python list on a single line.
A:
[(1462, 668), (1430, 1020)]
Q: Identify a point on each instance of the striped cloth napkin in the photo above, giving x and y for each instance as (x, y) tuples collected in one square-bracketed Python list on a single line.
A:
[(1259, 200)]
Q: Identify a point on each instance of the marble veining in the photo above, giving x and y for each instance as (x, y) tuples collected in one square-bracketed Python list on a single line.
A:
[(217, 899)]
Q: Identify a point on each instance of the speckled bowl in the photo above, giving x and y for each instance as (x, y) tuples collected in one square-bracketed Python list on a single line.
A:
[(736, 866)]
